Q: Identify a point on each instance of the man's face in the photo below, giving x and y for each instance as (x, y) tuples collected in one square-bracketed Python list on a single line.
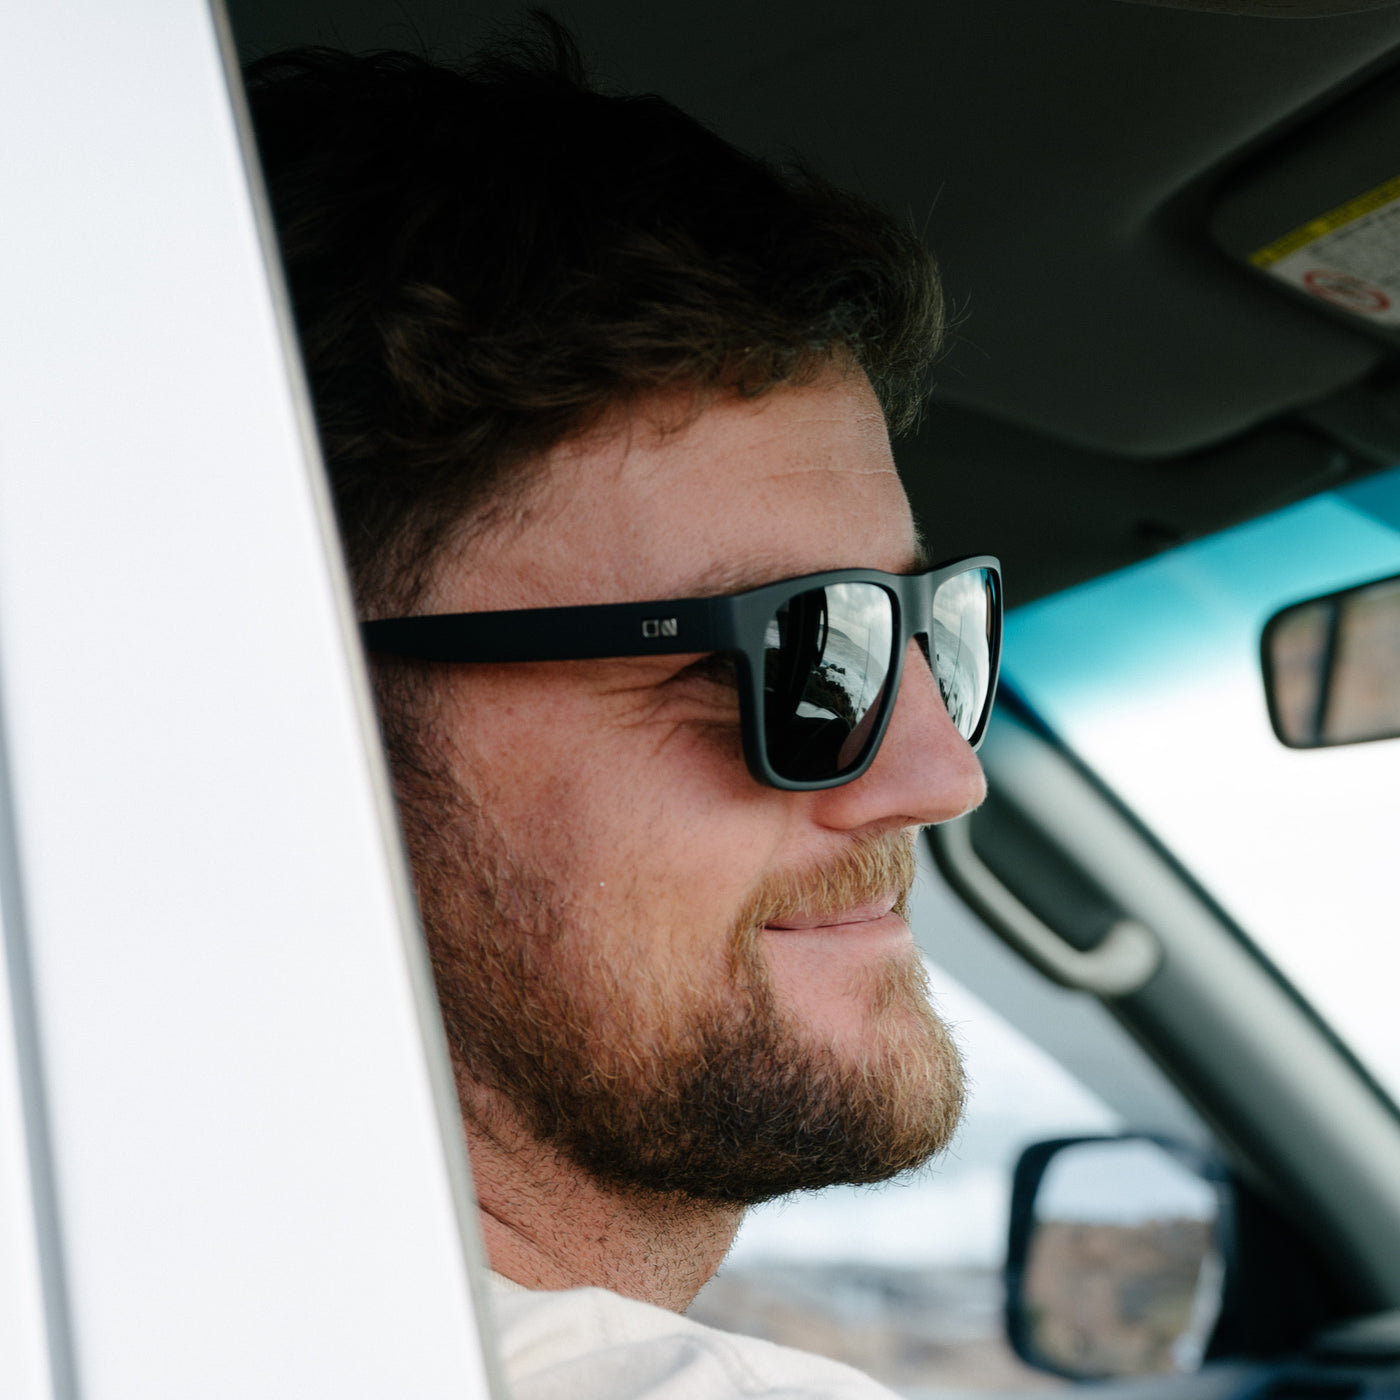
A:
[(685, 980)]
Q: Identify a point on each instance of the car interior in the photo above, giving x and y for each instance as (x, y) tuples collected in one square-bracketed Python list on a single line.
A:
[(1122, 376), (1169, 402)]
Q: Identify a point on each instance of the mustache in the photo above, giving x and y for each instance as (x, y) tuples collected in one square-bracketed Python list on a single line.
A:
[(871, 868)]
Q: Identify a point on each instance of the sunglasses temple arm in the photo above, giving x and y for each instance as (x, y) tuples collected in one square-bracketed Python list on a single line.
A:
[(666, 628)]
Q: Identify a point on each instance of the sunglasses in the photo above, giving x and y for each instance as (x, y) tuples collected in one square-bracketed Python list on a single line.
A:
[(818, 658)]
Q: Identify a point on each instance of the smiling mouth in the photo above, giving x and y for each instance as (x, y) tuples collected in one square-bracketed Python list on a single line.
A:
[(873, 911)]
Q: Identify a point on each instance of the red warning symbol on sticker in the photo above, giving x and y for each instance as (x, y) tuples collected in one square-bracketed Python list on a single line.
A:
[(1344, 290)]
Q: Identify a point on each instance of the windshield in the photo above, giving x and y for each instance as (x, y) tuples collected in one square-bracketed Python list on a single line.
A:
[(1152, 675)]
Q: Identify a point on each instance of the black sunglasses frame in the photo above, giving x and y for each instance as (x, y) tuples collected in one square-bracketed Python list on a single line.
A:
[(733, 623)]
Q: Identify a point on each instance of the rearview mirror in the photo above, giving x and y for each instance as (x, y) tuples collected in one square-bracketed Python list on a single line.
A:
[(1116, 1258), (1332, 667)]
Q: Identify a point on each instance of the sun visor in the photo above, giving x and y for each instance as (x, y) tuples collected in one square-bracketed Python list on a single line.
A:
[(1318, 216)]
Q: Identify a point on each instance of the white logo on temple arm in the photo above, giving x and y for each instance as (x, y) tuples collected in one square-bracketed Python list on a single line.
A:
[(659, 627)]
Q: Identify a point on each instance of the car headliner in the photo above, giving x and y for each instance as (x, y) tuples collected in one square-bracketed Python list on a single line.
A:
[(1113, 383)]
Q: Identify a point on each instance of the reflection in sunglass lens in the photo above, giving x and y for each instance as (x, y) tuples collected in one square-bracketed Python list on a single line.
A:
[(827, 655), (962, 641)]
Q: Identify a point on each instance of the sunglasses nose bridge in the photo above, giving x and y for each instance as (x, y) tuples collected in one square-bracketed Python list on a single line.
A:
[(916, 616)]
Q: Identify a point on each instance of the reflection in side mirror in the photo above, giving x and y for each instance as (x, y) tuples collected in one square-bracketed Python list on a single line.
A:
[(1116, 1259), (1332, 667)]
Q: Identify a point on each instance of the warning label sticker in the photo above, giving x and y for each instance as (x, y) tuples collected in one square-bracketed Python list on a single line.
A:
[(1349, 257)]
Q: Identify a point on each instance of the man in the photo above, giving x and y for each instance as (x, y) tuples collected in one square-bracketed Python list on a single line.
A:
[(570, 351)]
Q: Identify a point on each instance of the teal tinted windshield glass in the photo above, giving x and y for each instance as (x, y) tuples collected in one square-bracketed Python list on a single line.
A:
[(1152, 674)]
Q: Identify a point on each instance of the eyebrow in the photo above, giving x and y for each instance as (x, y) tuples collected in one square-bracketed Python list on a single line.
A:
[(732, 577)]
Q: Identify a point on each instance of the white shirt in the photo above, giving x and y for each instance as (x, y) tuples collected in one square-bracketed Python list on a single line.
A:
[(589, 1344)]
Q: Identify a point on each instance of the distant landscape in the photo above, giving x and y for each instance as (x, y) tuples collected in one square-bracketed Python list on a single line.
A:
[(1119, 1299), (917, 1330)]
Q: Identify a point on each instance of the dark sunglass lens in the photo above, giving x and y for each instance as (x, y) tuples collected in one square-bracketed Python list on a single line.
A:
[(827, 655), (963, 637)]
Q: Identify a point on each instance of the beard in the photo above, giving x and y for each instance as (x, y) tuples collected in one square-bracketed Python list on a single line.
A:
[(645, 1080)]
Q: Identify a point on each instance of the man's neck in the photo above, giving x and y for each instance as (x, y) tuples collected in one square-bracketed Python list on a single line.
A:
[(548, 1225)]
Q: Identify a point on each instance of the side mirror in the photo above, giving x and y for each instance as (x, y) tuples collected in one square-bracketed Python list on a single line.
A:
[(1116, 1261), (1332, 667)]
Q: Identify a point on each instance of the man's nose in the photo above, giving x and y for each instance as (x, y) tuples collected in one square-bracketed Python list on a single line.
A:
[(924, 772)]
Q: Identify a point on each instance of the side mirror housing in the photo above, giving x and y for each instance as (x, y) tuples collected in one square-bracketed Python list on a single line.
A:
[(1116, 1259), (1332, 667)]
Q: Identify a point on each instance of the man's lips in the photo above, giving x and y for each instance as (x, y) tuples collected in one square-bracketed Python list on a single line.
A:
[(868, 913)]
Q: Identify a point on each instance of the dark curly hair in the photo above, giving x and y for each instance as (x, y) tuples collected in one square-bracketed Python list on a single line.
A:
[(483, 260)]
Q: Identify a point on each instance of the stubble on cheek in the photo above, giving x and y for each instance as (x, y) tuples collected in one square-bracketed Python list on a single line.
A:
[(650, 1073)]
